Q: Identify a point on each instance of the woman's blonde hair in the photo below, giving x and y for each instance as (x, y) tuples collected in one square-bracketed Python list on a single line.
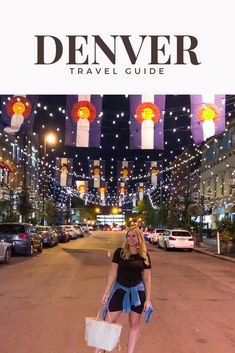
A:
[(141, 247)]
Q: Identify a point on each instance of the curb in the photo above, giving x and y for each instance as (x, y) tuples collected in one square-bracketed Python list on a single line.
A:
[(221, 257)]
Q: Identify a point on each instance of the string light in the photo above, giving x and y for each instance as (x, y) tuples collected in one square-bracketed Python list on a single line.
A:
[(171, 113)]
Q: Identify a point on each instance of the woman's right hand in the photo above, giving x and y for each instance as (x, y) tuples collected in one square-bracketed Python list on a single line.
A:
[(104, 299)]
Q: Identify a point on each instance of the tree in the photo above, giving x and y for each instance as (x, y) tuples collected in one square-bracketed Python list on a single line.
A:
[(147, 212), (181, 211), (51, 212), (4, 209), (225, 225), (87, 212), (174, 213), (162, 214), (6, 212), (25, 206), (12, 217), (226, 229)]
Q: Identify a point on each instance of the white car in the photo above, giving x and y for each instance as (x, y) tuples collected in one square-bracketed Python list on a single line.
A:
[(79, 231), (155, 235), (69, 229), (5, 251), (116, 228), (176, 239)]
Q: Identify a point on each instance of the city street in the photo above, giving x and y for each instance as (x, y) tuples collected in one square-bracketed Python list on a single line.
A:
[(44, 299)]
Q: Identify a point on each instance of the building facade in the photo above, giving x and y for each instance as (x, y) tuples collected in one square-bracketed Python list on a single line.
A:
[(217, 186), (18, 170), (185, 175)]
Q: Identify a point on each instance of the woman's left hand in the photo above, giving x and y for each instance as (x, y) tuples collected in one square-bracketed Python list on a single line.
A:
[(147, 304)]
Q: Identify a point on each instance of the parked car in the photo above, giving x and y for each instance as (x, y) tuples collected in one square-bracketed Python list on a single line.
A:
[(117, 228), (5, 252), (176, 239), (69, 229), (80, 232), (49, 235), (147, 233), (155, 235), (92, 228), (106, 227), (23, 237), (63, 236), (84, 227)]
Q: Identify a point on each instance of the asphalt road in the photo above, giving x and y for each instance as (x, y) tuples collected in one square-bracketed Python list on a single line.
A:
[(44, 300)]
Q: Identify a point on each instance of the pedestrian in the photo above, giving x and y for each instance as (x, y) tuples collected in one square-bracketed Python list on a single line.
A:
[(129, 284)]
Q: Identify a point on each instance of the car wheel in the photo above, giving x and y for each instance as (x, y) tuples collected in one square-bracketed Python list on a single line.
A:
[(190, 250), (40, 248), (165, 247), (7, 256), (157, 244), (29, 251)]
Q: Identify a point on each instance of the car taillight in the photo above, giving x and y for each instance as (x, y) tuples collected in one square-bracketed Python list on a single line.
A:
[(172, 238), (23, 236), (191, 239)]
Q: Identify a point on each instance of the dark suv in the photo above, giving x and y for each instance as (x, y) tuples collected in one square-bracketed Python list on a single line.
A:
[(23, 237)]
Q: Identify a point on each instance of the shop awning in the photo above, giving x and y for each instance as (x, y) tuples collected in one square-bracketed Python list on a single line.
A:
[(4, 165)]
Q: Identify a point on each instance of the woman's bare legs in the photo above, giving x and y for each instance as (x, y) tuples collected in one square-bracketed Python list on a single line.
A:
[(114, 316), (134, 322)]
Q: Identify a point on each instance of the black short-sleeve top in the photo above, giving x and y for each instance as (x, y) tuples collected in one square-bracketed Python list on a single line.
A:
[(130, 272)]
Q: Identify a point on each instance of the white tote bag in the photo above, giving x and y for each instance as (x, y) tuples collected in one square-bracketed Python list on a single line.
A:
[(102, 334)]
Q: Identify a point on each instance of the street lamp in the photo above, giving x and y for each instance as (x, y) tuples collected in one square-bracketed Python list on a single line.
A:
[(49, 139), (115, 210)]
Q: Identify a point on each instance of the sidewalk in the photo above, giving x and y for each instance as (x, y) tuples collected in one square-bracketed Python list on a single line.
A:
[(211, 251)]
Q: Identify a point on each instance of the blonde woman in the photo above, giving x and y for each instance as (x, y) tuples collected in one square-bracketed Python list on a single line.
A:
[(129, 284)]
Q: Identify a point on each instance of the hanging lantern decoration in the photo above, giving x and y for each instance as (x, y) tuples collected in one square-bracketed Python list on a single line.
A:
[(124, 170), (83, 126), (96, 171), (152, 169), (64, 171), (140, 188), (102, 191), (208, 116), (82, 187), (134, 200), (121, 193), (147, 121), (18, 114)]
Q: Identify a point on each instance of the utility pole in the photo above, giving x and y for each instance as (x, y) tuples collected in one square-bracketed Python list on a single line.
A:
[(50, 138)]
